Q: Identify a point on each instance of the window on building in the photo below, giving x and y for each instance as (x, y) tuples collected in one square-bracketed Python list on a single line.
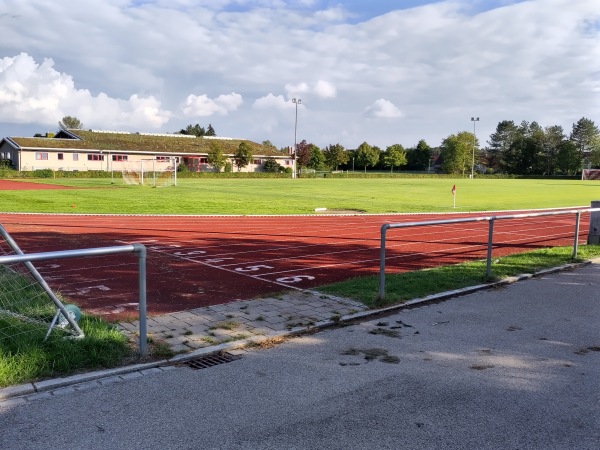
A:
[(41, 156), (119, 157), (61, 156), (75, 156), (95, 157), (258, 162), (163, 158)]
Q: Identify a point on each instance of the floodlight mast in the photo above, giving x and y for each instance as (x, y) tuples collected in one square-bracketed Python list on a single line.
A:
[(474, 120), (296, 101)]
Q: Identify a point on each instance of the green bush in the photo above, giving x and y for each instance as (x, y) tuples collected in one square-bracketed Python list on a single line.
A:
[(43, 173)]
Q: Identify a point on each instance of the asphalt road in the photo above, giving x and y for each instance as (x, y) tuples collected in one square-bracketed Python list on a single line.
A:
[(511, 368)]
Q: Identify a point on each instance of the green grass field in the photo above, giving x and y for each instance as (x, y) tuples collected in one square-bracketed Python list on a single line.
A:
[(302, 196)]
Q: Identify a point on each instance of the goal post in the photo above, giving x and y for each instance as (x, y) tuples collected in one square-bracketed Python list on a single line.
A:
[(590, 174), (156, 172)]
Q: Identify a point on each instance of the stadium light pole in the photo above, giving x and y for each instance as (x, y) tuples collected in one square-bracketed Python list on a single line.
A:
[(474, 120), (296, 101)]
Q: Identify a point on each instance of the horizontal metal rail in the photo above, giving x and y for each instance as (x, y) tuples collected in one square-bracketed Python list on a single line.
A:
[(490, 219), (138, 249)]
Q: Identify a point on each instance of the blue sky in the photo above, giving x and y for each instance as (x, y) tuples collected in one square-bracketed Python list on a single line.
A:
[(384, 72), (362, 10)]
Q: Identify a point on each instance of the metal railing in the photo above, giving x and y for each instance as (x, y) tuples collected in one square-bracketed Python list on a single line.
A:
[(490, 219), (138, 249)]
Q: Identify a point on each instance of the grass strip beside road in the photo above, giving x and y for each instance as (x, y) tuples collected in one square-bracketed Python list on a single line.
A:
[(25, 357), (402, 287)]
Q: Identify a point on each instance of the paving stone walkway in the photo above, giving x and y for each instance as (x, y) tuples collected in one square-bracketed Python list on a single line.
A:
[(212, 325)]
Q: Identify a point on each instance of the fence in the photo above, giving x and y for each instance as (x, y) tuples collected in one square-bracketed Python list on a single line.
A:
[(138, 249), (490, 219)]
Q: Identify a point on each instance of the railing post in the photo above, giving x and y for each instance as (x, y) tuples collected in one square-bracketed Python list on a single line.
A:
[(576, 240), (141, 252), (384, 228), (594, 228), (488, 271)]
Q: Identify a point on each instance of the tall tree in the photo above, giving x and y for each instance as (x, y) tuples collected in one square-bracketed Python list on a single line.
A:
[(216, 158), (419, 158), (316, 160), (595, 153), (303, 153), (395, 156), (583, 134), (367, 155), (457, 151), (335, 154), (499, 144), (242, 156), (70, 123), (553, 139), (525, 156), (210, 131), (568, 158)]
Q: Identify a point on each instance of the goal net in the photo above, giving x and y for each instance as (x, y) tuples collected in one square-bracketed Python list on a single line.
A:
[(151, 172), (27, 304), (590, 174)]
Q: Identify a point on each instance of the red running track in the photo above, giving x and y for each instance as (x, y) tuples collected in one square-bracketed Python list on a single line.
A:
[(199, 261)]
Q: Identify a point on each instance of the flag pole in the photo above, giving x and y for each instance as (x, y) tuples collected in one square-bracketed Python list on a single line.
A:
[(454, 196)]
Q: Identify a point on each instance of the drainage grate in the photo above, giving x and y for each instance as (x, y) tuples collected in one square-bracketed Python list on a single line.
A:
[(213, 359)]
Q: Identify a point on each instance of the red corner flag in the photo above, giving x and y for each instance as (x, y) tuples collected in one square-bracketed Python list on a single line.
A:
[(454, 190)]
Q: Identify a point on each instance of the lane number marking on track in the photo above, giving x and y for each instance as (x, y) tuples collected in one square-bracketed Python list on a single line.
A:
[(87, 289), (192, 253), (214, 260), (252, 268), (163, 247), (295, 279)]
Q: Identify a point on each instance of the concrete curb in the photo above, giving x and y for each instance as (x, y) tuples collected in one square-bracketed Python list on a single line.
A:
[(48, 385)]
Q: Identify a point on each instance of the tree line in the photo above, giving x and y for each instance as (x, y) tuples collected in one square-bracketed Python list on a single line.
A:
[(524, 149), (530, 149)]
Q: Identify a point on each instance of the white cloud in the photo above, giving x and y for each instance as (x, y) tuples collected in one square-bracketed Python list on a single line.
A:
[(32, 92), (322, 89), (202, 106), (294, 90), (271, 101), (325, 89), (384, 109)]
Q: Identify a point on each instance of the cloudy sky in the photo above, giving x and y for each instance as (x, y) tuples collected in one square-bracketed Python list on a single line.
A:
[(380, 71)]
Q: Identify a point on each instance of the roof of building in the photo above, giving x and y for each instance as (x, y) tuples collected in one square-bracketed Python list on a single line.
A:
[(89, 140)]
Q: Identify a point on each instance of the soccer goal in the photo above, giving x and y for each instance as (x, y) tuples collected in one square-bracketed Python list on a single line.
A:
[(590, 174), (156, 172), (27, 304)]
